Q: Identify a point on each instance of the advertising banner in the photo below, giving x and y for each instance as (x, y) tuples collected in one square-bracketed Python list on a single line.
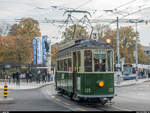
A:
[(34, 50), (44, 39), (39, 50)]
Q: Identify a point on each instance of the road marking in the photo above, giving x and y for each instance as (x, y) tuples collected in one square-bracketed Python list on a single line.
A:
[(121, 108), (67, 104), (58, 100), (81, 109)]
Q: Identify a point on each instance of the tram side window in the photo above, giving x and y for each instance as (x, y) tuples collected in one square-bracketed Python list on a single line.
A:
[(100, 62), (69, 64), (88, 61), (61, 65), (65, 65), (110, 60), (58, 65)]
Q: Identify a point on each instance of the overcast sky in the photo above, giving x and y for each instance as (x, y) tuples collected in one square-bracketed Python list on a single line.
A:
[(41, 9)]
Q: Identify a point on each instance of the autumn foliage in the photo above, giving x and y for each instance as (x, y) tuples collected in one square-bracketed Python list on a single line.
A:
[(16, 47)]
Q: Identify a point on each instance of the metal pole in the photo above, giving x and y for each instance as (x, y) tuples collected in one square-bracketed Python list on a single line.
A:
[(136, 52), (36, 51), (118, 53)]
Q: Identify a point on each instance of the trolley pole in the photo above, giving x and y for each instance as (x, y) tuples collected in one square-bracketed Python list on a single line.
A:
[(118, 54), (136, 52)]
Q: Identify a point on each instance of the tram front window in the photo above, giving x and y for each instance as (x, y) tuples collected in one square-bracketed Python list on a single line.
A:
[(88, 61), (100, 62)]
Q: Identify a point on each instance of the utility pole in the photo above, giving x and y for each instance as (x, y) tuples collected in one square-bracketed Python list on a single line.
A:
[(136, 52), (118, 53), (136, 46)]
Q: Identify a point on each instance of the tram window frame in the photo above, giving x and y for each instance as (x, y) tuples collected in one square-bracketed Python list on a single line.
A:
[(69, 64), (65, 65), (58, 65), (88, 68), (61, 65), (110, 60), (100, 64), (79, 60)]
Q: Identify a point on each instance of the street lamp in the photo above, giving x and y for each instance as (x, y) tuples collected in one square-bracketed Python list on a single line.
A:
[(136, 21), (118, 53), (118, 48)]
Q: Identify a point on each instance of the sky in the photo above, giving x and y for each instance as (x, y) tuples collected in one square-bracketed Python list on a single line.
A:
[(54, 10)]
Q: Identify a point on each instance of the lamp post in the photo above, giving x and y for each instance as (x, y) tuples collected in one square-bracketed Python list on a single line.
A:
[(118, 53), (136, 46), (118, 49)]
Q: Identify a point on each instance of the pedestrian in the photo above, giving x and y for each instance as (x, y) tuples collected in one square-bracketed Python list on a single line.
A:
[(18, 78), (30, 76), (38, 78), (14, 77), (49, 76), (27, 77), (43, 77), (9, 78)]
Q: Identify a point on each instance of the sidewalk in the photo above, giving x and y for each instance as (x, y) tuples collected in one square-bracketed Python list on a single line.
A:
[(34, 85), (131, 82), (24, 85)]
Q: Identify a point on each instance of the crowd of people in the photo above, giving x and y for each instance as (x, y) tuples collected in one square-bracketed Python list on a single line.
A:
[(28, 77)]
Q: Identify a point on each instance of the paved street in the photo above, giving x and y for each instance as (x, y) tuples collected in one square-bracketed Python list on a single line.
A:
[(134, 97), (30, 100)]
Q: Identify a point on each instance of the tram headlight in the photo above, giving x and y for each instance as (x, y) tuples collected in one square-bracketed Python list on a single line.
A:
[(101, 83), (108, 41)]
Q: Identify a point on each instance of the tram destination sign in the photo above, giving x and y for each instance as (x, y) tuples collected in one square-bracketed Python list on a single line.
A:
[(66, 45)]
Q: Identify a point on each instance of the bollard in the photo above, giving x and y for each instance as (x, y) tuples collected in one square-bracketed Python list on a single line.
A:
[(5, 91)]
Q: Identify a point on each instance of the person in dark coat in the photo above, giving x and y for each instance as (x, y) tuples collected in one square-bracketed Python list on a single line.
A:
[(14, 77), (27, 77), (17, 78)]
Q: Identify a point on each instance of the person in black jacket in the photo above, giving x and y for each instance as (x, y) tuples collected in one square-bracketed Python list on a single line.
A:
[(27, 77), (17, 78)]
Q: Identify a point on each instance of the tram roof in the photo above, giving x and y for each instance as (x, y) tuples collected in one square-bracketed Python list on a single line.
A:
[(84, 44)]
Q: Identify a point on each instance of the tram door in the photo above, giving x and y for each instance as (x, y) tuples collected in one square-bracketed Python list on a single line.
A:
[(74, 70)]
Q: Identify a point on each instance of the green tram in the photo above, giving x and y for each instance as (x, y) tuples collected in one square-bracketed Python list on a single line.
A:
[(84, 71)]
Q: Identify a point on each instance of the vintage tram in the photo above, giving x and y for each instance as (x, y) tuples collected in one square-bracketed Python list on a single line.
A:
[(84, 70)]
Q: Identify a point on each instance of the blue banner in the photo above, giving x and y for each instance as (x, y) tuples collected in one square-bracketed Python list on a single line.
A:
[(39, 50), (44, 39), (34, 50)]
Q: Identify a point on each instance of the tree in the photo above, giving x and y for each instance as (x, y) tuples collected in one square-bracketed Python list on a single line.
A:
[(13, 30), (4, 29), (100, 29), (28, 28), (75, 32), (14, 49), (54, 49), (127, 44), (17, 46)]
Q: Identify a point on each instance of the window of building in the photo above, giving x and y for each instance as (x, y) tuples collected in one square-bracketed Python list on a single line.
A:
[(88, 61), (99, 62)]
